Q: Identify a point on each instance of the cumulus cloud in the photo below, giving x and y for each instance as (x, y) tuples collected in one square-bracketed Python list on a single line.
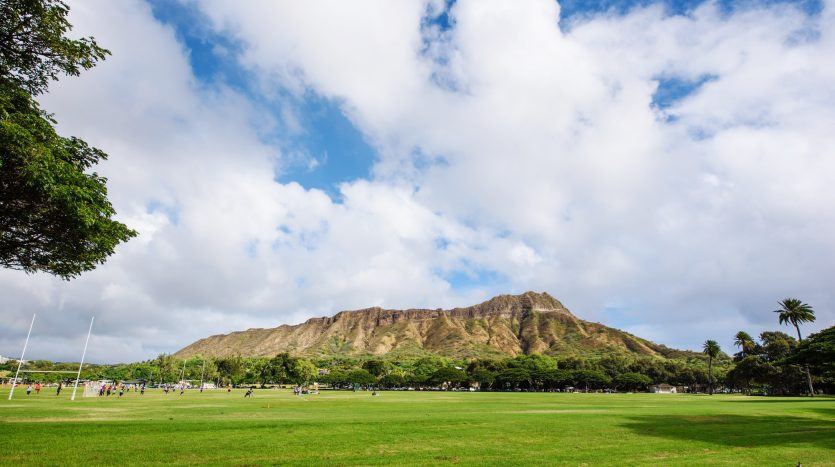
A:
[(507, 146)]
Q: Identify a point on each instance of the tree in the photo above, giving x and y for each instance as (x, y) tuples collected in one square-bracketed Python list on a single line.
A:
[(483, 377), (303, 371), (35, 49), (230, 369), (632, 381), (554, 379), (818, 352), (745, 342), (360, 377), (423, 368), (712, 350), (377, 367), (794, 311), (448, 375), (54, 216), (590, 379), (392, 380), (513, 378), (282, 367)]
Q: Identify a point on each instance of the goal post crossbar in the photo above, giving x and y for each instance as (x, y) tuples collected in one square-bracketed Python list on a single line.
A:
[(47, 371)]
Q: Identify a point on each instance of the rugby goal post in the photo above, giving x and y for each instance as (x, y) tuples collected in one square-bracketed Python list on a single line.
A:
[(23, 354)]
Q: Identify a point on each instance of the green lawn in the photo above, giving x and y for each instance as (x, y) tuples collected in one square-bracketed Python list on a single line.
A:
[(343, 428)]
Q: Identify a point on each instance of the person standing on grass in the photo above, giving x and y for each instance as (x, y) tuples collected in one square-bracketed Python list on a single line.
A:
[(38, 388), (28, 389), (58, 392), (121, 390), (142, 390)]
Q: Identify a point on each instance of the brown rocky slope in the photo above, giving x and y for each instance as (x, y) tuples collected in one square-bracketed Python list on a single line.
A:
[(506, 325)]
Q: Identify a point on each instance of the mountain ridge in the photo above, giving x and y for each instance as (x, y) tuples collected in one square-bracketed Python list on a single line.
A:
[(505, 325)]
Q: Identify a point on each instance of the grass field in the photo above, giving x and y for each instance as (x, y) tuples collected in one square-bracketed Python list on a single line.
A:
[(346, 428)]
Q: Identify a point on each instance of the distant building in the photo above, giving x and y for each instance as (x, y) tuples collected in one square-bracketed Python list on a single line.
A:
[(663, 389), (7, 360)]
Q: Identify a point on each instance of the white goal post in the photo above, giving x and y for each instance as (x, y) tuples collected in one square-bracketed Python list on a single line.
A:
[(23, 354)]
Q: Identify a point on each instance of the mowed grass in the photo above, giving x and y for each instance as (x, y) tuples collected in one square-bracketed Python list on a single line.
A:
[(347, 428)]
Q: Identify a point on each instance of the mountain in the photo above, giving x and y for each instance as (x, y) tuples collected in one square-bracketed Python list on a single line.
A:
[(506, 325)]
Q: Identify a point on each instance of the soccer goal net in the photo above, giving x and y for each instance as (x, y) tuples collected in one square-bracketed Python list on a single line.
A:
[(92, 388)]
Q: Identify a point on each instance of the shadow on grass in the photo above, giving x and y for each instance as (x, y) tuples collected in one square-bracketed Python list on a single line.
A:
[(781, 400), (738, 430)]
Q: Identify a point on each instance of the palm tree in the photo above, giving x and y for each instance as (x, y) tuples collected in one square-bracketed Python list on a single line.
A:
[(711, 349), (794, 311), (745, 342)]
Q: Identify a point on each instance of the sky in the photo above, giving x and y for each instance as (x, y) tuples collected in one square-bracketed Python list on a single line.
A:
[(667, 168)]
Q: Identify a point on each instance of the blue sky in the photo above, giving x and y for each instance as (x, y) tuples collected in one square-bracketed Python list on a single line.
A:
[(665, 169)]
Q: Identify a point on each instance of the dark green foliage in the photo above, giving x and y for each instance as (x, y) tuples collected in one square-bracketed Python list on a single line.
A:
[(818, 351), (54, 215), (34, 49), (483, 377), (449, 377), (513, 378), (361, 377), (392, 381), (590, 379), (377, 367), (632, 381), (230, 370)]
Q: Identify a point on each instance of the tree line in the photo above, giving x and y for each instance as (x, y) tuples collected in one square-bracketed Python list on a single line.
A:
[(775, 364)]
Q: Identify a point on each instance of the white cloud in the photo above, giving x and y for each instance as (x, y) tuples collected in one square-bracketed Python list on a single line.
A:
[(557, 173)]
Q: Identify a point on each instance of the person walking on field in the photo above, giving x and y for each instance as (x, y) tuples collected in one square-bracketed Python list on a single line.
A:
[(38, 388), (58, 392), (28, 389), (121, 390), (142, 390)]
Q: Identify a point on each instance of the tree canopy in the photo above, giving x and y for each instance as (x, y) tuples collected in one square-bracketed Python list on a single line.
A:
[(55, 216), (34, 49), (818, 351)]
